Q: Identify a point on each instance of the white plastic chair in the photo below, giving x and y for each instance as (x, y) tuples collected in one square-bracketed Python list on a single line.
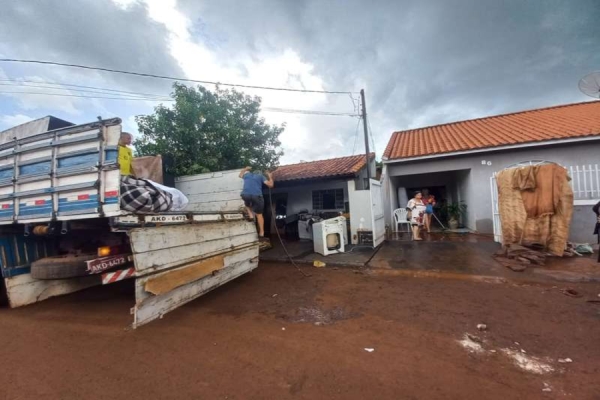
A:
[(400, 216)]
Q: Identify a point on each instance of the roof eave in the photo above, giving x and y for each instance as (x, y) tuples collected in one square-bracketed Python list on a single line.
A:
[(313, 179), (386, 160)]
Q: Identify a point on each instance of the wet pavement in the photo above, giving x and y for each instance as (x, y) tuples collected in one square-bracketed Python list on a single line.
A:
[(450, 256), (302, 251), (440, 255), (469, 256)]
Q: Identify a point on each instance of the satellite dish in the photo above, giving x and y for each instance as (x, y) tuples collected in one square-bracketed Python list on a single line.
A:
[(590, 85)]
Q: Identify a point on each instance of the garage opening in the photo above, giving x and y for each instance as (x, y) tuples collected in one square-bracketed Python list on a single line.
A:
[(448, 188)]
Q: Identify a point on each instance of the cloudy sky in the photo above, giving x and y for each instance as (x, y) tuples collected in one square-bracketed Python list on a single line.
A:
[(420, 63)]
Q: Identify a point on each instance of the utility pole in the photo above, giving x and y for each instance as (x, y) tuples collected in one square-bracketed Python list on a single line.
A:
[(364, 117)]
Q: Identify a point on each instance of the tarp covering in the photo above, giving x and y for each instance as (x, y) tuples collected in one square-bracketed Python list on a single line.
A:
[(149, 167), (536, 206)]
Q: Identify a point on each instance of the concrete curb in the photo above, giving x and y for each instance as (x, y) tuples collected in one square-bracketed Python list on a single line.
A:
[(525, 280)]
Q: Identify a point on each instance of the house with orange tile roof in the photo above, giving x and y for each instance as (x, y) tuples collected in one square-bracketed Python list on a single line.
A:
[(457, 161), (321, 188)]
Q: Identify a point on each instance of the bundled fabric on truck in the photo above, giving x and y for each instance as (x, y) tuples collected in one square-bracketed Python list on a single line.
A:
[(141, 196), (180, 201), (536, 206)]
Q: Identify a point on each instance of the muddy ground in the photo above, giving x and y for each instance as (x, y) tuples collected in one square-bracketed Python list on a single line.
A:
[(275, 335)]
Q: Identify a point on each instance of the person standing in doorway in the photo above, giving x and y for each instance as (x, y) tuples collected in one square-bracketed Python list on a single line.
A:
[(417, 208), (429, 201), (253, 197), (125, 156)]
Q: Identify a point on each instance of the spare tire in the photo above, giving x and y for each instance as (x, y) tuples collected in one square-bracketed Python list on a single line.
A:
[(61, 267)]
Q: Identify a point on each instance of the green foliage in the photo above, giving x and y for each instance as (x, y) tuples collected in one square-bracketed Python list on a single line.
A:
[(209, 131), (455, 210)]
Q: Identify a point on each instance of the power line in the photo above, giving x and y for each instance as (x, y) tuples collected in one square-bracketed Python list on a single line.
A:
[(84, 96), (78, 86), (169, 77), (315, 112), (268, 109), (356, 135), (372, 137), (132, 94)]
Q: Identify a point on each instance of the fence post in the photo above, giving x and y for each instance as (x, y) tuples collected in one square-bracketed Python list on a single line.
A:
[(585, 192), (578, 181), (597, 181)]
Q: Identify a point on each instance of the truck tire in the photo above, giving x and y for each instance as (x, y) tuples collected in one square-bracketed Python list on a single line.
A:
[(61, 267)]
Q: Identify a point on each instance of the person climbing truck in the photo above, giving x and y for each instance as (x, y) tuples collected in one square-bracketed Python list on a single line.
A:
[(125, 154), (253, 197)]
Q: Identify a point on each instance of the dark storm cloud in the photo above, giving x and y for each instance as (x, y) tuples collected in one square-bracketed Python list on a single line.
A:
[(421, 62), (93, 32)]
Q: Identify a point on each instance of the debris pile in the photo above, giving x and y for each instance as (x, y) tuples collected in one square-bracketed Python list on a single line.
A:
[(517, 257)]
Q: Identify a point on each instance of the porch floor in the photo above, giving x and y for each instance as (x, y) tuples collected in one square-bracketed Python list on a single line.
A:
[(469, 256)]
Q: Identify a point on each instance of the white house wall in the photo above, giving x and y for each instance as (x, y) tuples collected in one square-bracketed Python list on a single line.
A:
[(483, 165), (300, 197)]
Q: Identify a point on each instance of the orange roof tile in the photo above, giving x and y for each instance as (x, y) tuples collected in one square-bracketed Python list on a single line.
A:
[(332, 168), (552, 123)]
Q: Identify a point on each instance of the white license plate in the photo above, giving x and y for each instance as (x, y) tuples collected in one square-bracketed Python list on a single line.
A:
[(102, 264), (162, 219)]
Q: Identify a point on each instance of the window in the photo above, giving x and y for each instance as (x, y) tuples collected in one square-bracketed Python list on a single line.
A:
[(331, 199)]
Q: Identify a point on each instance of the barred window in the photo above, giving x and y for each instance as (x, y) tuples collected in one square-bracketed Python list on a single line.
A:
[(331, 199)]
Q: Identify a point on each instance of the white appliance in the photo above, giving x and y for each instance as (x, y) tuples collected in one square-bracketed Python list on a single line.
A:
[(330, 236), (305, 223), (305, 230)]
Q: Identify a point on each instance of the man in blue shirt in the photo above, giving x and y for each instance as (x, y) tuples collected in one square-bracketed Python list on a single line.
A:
[(253, 198)]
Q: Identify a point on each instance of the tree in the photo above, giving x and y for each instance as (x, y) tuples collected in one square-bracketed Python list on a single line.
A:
[(207, 131)]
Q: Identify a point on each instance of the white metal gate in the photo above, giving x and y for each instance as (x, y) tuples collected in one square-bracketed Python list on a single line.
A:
[(496, 211), (377, 216), (585, 181)]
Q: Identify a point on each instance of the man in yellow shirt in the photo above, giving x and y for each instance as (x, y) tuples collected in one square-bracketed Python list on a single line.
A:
[(125, 154)]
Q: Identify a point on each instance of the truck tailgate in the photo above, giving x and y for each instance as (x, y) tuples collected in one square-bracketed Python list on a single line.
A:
[(183, 257)]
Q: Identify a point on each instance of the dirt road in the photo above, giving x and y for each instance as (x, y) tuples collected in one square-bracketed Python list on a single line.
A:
[(276, 335)]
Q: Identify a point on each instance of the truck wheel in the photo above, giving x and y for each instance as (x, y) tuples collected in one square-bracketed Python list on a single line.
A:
[(61, 267)]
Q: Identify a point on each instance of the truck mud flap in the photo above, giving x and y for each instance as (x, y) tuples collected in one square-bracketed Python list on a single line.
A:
[(176, 264)]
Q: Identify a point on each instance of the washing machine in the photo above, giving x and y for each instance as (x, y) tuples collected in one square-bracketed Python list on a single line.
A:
[(329, 236)]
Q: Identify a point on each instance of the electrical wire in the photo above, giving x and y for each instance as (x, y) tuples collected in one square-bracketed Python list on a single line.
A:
[(170, 77), (57, 85), (140, 96), (372, 137), (84, 96), (166, 99), (315, 112), (356, 135), (283, 245)]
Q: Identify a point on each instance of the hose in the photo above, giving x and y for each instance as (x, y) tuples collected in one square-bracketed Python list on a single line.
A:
[(283, 245)]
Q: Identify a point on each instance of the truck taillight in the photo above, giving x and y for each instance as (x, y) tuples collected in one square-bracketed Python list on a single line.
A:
[(104, 251)]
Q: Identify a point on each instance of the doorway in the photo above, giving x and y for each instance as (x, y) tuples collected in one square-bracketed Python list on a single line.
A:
[(275, 213)]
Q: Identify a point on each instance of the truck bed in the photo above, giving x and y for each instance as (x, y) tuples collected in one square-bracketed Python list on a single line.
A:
[(64, 174)]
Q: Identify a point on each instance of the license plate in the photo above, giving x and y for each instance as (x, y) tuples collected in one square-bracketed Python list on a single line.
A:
[(165, 218), (102, 264)]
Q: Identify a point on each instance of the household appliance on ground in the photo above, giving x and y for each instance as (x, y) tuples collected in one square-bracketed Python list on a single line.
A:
[(329, 236), (305, 225)]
